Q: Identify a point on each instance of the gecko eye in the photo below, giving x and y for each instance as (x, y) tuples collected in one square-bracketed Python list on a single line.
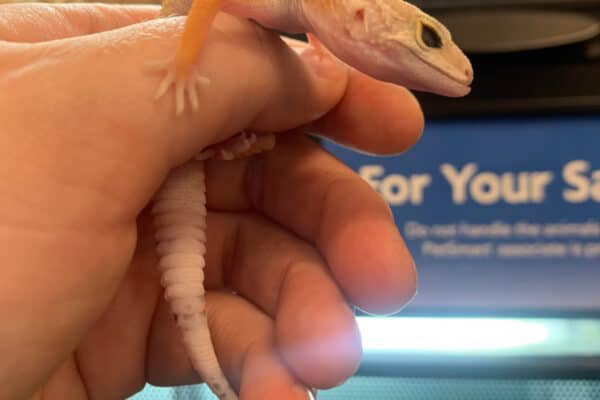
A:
[(430, 37)]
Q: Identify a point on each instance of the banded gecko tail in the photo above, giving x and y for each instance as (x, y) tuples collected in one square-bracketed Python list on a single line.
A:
[(179, 216)]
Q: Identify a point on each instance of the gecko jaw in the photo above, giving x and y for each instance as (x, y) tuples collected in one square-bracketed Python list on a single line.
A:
[(447, 80), (449, 74)]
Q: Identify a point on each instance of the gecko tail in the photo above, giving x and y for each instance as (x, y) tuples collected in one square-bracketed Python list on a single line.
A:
[(179, 216), (206, 364)]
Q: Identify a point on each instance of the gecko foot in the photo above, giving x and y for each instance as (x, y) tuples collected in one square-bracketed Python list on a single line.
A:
[(185, 86), (244, 144)]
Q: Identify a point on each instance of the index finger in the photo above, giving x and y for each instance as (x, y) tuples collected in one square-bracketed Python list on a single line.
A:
[(373, 116)]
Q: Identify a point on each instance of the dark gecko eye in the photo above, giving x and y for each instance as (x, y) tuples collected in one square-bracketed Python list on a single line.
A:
[(430, 37)]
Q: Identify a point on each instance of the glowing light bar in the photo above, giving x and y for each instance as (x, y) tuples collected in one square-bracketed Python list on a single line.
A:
[(471, 336)]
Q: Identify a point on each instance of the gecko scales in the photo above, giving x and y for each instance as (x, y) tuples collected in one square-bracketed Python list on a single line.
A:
[(390, 40)]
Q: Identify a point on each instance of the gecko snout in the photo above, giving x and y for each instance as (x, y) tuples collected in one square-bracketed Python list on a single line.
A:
[(468, 75)]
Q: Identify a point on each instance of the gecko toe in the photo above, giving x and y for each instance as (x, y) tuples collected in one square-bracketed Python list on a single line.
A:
[(202, 80), (179, 97), (186, 87), (193, 97), (156, 65), (164, 85)]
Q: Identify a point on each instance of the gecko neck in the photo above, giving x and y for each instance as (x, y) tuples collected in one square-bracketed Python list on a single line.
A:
[(282, 15)]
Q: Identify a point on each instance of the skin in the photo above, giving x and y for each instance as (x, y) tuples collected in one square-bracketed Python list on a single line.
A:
[(78, 282)]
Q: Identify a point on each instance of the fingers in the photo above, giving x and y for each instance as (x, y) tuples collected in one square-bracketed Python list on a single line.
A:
[(373, 116), (288, 280), (299, 320), (315, 196), (244, 342), (263, 372), (266, 377), (316, 331), (28, 23)]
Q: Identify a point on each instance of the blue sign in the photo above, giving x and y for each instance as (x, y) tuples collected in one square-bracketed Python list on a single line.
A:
[(499, 214)]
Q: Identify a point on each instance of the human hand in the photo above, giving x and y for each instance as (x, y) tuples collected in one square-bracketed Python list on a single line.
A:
[(293, 232)]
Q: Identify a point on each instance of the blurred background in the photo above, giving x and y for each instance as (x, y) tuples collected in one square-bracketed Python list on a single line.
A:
[(500, 205)]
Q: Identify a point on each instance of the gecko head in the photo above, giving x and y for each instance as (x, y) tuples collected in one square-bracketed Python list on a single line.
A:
[(394, 41)]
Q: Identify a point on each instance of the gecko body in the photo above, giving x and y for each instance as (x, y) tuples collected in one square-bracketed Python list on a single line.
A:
[(390, 40)]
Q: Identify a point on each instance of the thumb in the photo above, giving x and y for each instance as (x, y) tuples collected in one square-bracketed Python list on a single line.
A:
[(93, 91)]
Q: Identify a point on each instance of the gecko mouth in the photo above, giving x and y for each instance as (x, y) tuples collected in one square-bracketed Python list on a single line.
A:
[(449, 81), (454, 87), (463, 81), (445, 87)]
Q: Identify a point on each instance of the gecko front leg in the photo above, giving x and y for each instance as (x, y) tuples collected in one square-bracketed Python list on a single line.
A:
[(180, 71)]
